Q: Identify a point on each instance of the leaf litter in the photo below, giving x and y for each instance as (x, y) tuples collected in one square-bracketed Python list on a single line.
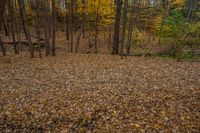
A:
[(98, 93)]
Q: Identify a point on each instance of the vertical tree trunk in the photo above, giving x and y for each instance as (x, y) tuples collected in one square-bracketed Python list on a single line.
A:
[(37, 26), (46, 27), (5, 25), (78, 41), (165, 3), (25, 26), (84, 17), (124, 25), (109, 37), (139, 20), (2, 8), (17, 31), (53, 27), (117, 28), (189, 4), (49, 19), (96, 29), (67, 20), (2, 47), (16, 26), (67, 26), (22, 14), (13, 26), (128, 47), (72, 25)]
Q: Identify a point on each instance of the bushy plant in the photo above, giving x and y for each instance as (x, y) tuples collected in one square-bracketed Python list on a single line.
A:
[(181, 31)]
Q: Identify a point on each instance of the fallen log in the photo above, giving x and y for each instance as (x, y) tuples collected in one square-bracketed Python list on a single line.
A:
[(141, 54), (26, 43)]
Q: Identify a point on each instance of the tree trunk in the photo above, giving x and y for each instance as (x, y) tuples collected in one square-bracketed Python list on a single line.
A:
[(53, 27), (84, 17), (2, 9), (189, 5), (2, 47), (124, 26), (96, 29), (25, 26), (117, 28), (165, 3), (13, 25), (165, 12), (72, 25), (37, 26), (130, 34), (46, 27), (67, 21), (78, 41), (109, 38), (22, 14), (5, 25)]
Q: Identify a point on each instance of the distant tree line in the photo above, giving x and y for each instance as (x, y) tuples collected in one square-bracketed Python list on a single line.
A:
[(122, 20)]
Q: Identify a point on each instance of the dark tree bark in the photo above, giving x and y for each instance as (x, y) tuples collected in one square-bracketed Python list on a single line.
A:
[(67, 26), (25, 26), (22, 14), (53, 27), (72, 25), (37, 26), (17, 29), (190, 8), (2, 8), (67, 20), (46, 27), (117, 28), (2, 47), (13, 24), (50, 23), (5, 25)]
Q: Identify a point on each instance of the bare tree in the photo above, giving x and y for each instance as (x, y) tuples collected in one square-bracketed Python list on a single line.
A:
[(2, 8), (124, 25), (71, 23), (96, 28), (165, 4), (78, 41), (109, 37), (46, 26), (25, 26), (53, 27), (13, 24), (37, 27), (84, 17), (2, 47), (130, 32), (67, 20), (117, 27)]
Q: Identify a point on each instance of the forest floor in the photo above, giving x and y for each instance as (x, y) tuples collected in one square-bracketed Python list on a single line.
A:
[(98, 93)]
